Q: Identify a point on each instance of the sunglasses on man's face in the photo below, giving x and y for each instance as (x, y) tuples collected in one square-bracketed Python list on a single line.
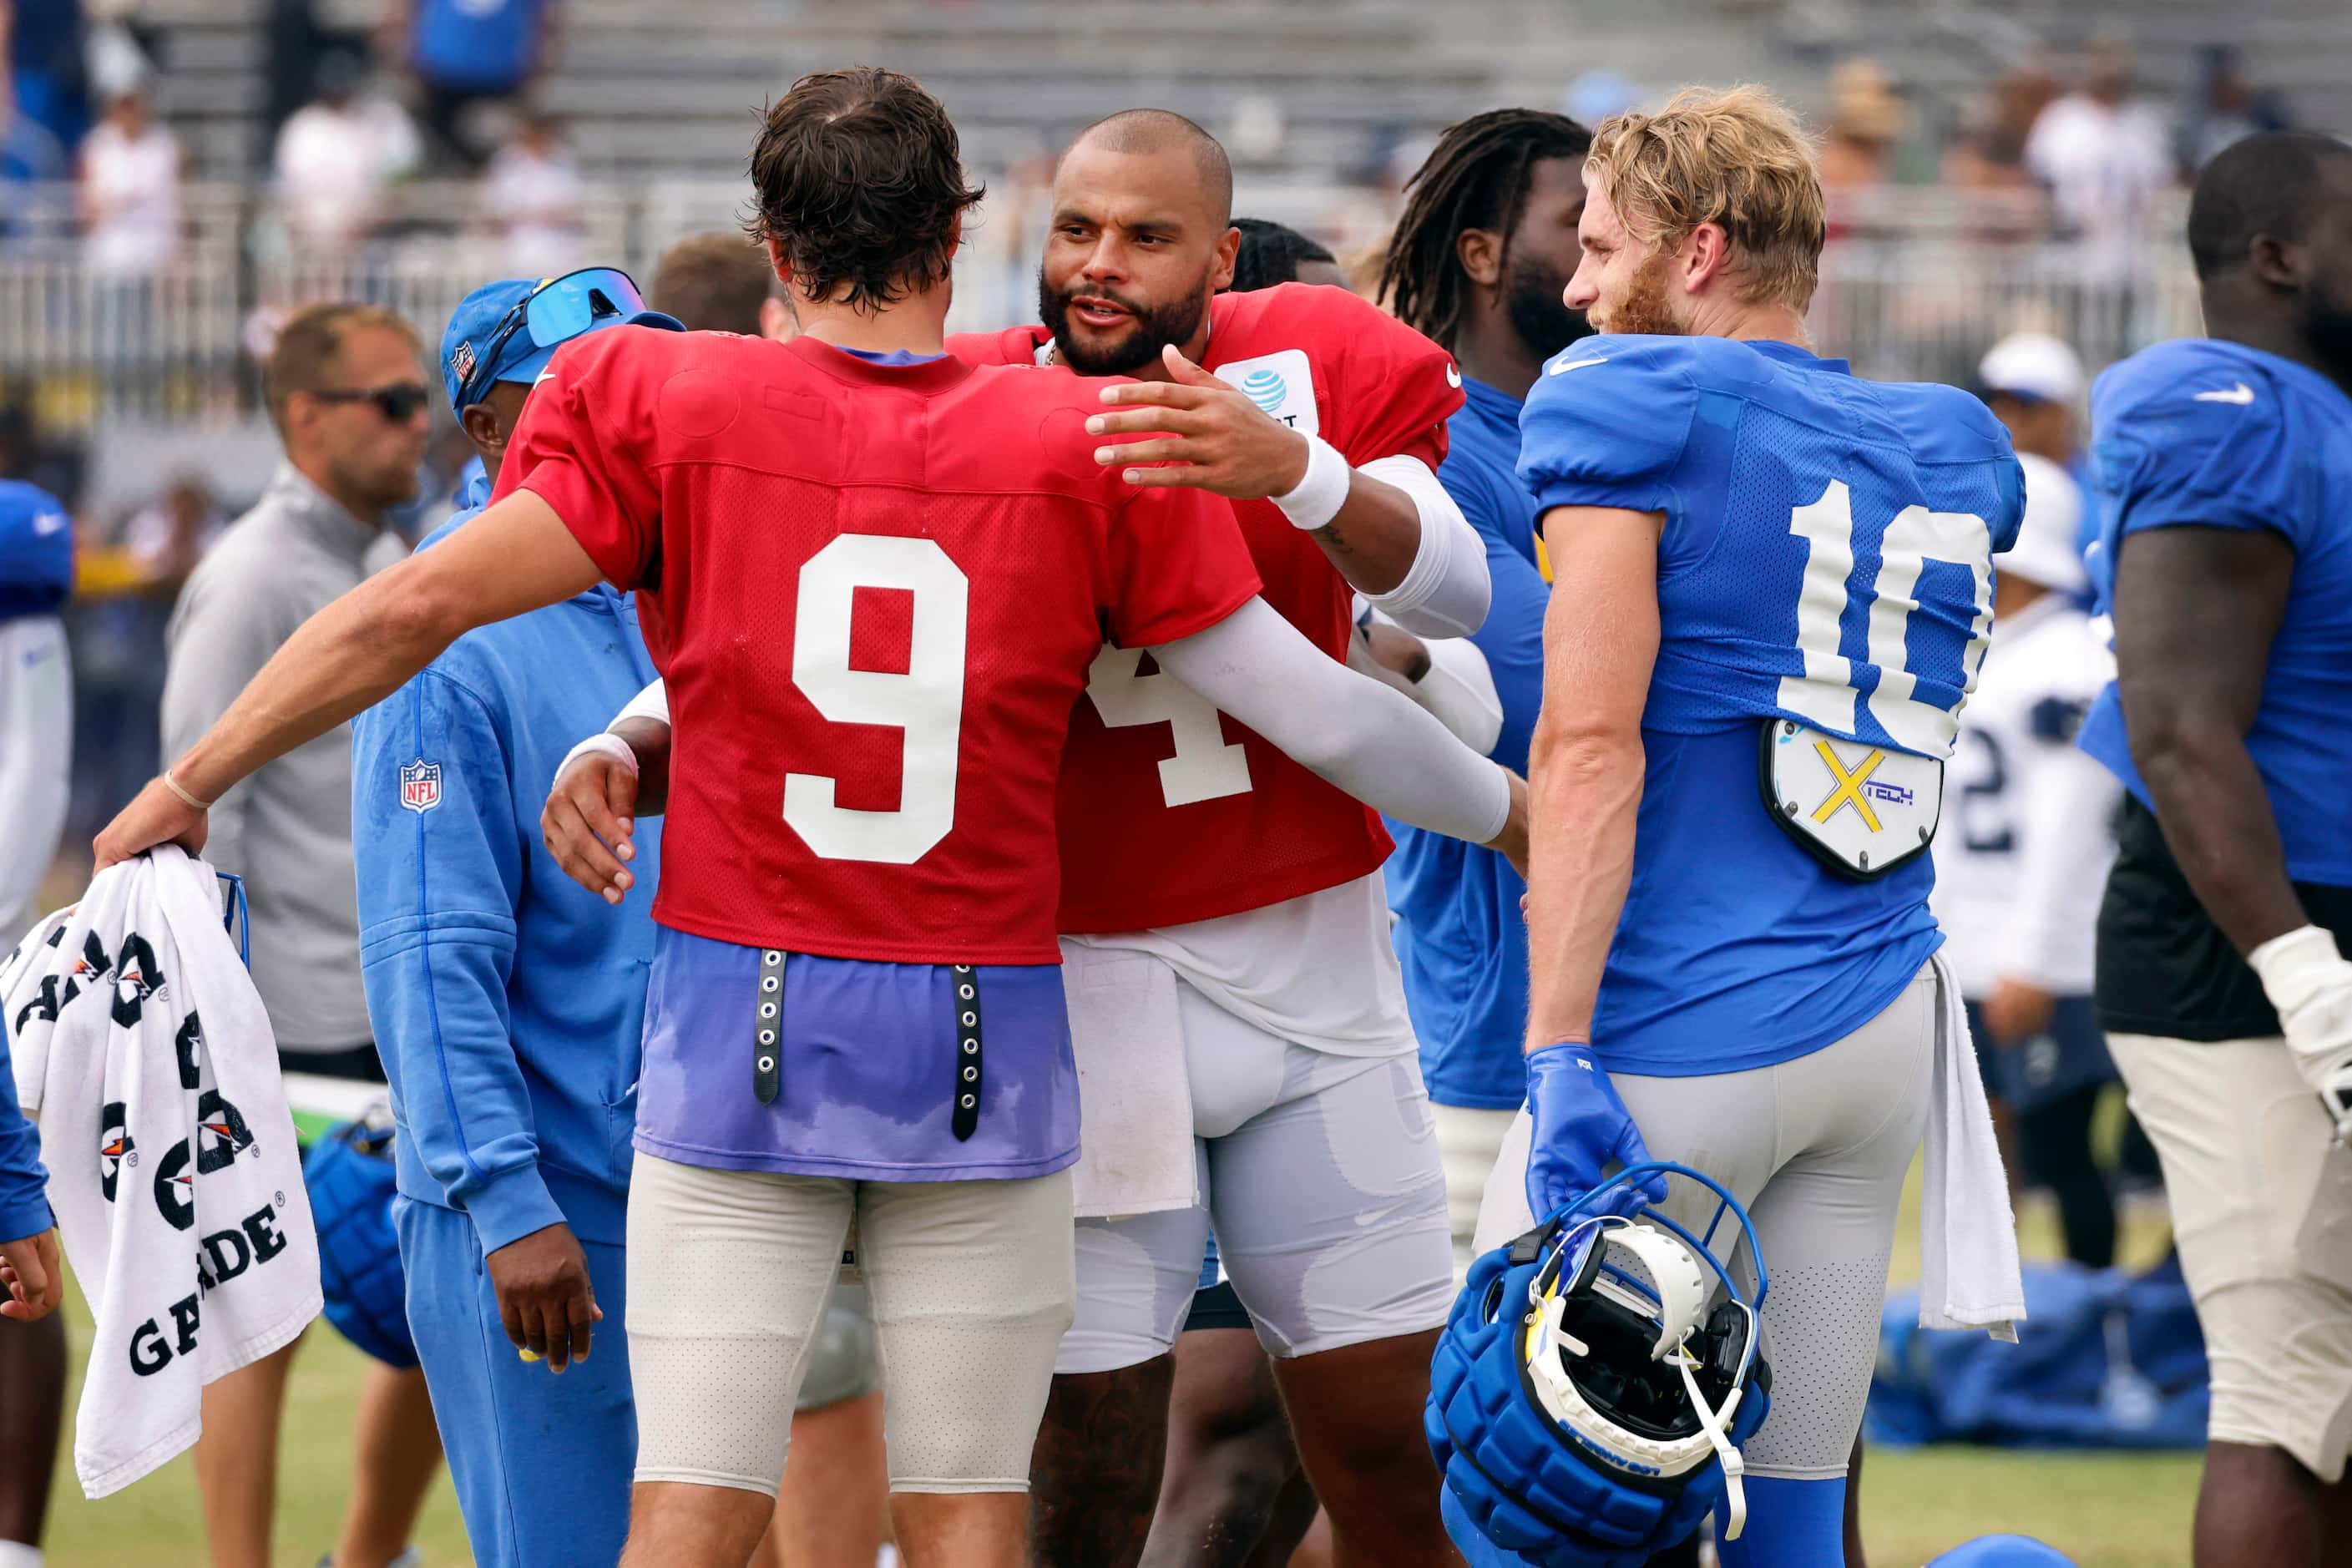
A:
[(397, 403)]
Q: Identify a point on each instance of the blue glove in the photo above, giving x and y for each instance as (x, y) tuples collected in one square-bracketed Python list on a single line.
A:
[(1580, 1126)]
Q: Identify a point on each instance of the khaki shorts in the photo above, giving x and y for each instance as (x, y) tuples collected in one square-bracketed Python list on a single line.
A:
[(2262, 1210)]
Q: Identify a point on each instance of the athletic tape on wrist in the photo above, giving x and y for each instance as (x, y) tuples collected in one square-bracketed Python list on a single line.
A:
[(1322, 491), (607, 742), (2295, 966)]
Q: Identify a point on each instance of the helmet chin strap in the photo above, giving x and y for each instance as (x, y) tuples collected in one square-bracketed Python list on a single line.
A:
[(1716, 1424)]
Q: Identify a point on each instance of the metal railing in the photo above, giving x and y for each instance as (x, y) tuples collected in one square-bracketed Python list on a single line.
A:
[(1914, 286)]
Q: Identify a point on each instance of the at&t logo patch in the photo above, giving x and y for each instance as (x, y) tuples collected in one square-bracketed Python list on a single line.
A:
[(1281, 384)]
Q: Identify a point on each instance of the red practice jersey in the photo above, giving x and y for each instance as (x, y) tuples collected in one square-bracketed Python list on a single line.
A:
[(876, 592), (1171, 811)]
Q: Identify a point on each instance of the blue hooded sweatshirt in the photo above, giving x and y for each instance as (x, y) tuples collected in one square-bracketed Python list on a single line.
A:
[(507, 1002)]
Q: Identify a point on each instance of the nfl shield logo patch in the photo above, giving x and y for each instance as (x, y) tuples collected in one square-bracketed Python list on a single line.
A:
[(420, 785)]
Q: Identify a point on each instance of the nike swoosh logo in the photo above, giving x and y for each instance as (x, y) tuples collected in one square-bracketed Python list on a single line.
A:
[(1453, 375), (48, 523), (1564, 366), (547, 374), (2241, 394)]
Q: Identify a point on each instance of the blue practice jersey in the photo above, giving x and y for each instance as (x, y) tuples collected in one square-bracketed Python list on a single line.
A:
[(2209, 434), (1827, 557), (484, 45), (1461, 941)]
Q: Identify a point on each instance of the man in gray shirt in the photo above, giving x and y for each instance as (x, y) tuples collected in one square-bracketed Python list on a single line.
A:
[(348, 396)]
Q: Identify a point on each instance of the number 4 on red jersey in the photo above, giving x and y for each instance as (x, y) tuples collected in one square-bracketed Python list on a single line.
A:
[(1171, 812)]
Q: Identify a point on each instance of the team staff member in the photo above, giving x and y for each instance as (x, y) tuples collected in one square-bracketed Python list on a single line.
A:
[(1479, 263), (508, 1003), (351, 407), (2222, 471)]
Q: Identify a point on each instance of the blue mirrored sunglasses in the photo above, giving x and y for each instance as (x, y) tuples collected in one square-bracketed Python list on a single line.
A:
[(558, 311)]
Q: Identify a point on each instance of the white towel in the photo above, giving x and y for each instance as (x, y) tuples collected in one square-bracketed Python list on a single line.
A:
[(1967, 1254), (143, 1051), (1135, 1099)]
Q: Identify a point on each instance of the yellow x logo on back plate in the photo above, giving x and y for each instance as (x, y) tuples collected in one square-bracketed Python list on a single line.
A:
[(1849, 786)]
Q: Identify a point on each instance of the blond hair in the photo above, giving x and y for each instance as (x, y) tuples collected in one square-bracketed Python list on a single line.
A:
[(1737, 158)]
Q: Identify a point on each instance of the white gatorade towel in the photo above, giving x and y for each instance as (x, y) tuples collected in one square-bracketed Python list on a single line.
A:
[(142, 1052)]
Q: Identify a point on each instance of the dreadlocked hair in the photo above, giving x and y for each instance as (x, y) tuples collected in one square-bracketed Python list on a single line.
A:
[(1475, 177)]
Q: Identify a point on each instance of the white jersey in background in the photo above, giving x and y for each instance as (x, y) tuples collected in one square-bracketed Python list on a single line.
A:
[(35, 759), (2022, 853)]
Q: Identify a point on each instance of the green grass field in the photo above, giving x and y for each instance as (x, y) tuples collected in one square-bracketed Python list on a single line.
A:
[(2106, 1511)]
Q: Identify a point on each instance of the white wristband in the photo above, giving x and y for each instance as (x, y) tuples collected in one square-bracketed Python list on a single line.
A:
[(603, 740), (1323, 491), (2295, 967)]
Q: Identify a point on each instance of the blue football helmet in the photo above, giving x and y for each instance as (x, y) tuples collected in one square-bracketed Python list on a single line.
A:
[(1590, 1392), (350, 1177)]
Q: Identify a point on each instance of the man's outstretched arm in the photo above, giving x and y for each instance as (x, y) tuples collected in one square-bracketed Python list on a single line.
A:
[(1377, 744), (516, 556), (1373, 742)]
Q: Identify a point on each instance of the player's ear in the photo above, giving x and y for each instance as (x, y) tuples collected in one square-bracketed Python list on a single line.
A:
[(480, 424), (779, 263), (1222, 259), (1480, 252), (1704, 255), (2278, 263)]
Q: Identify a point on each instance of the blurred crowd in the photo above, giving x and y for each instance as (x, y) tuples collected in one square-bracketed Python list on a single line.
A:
[(437, 88)]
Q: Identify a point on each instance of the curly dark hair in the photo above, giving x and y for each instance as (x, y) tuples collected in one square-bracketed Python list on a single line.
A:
[(859, 180), (1270, 253), (1477, 177)]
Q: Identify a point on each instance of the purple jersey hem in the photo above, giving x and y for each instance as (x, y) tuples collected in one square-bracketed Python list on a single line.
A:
[(850, 1170)]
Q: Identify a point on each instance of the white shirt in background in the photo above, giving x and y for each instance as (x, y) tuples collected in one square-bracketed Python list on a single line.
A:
[(2100, 161), (332, 164), (132, 187), (535, 197), (2021, 854)]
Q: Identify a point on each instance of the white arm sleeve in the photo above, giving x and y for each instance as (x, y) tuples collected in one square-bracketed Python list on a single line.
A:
[(1373, 743), (1446, 591), (1458, 689), (652, 702)]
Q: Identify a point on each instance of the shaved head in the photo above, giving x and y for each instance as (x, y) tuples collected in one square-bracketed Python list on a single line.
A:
[(1153, 131)]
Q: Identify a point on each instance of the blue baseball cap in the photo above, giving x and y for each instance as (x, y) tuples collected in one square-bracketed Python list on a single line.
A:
[(37, 549), (507, 330)]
